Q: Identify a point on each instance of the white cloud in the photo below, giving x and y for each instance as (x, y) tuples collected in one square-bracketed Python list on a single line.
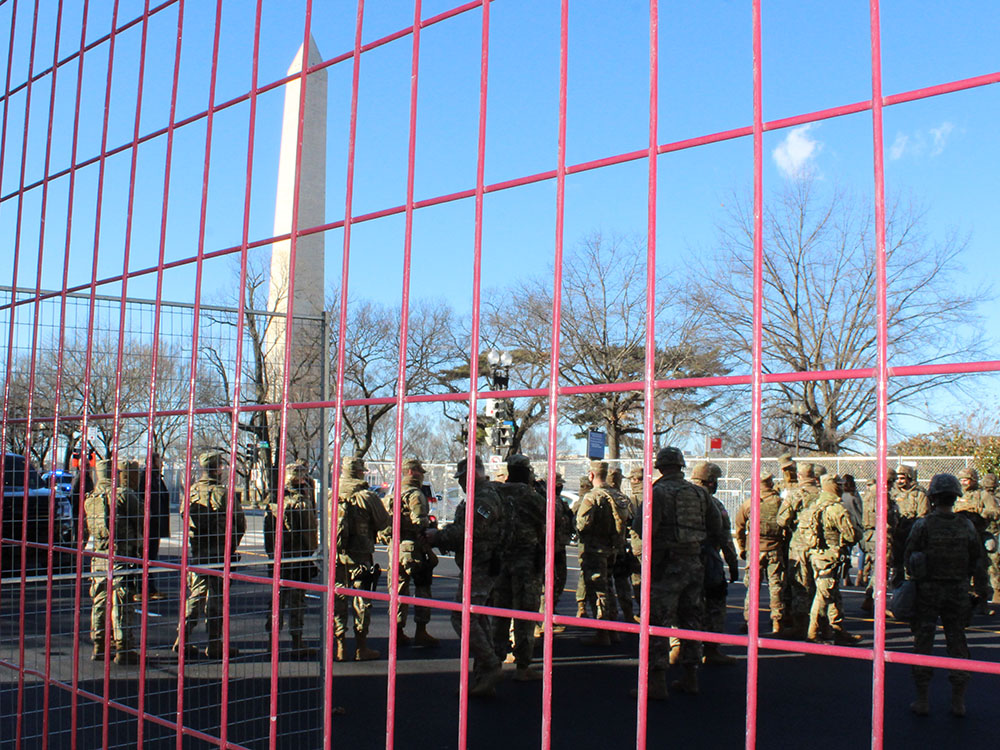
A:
[(899, 146), (940, 135), (796, 153)]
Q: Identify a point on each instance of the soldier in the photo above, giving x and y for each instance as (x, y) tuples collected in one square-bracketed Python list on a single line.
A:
[(714, 550), (596, 523), (520, 583), (491, 531), (416, 558), (789, 476), (800, 587), (360, 517), (581, 588), (158, 502), (912, 503), (869, 517), (773, 563), (981, 509), (565, 527), (128, 514), (942, 553), (635, 541), (620, 564), (832, 533), (299, 542), (208, 508), (683, 517), (989, 484)]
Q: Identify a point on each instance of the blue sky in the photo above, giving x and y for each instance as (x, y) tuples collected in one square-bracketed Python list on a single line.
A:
[(943, 150)]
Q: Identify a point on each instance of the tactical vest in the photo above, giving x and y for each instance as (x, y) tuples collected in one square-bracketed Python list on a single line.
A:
[(909, 502), (809, 531), (947, 548), (98, 510), (683, 520), (769, 528), (833, 536), (356, 532), (527, 508)]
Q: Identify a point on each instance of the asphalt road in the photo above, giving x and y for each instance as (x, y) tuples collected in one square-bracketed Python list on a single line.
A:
[(805, 701)]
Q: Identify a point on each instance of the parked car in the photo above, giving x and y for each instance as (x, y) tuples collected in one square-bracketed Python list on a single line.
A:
[(34, 523), (66, 523)]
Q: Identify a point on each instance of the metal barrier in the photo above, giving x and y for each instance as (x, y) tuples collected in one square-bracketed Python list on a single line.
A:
[(75, 196)]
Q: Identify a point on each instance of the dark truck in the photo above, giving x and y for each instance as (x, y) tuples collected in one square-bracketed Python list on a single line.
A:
[(34, 523)]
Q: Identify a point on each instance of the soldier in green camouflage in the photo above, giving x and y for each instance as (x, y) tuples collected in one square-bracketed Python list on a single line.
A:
[(596, 525), (416, 559), (208, 508), (491, 530), (519, 585), (912, 503), (581, 587), (715, 550), (683, 517), (800, 587), (126, 506), (299, 542), (360, 517), (869, 520), (773, 563), (620, 564), (634, 540), (942, 554), (989, 484), (832, 535), (789, 476), (565, 528)]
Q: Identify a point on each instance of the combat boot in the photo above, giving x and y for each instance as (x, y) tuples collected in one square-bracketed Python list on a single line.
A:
[(581, 609), (98, 653), (688, 683), (843, 638), (777, 626), (339, 652), (485, 685), (361, 650), (300, 651), (713, 655), (813, 634), (958, 700), (214, 650), (656, 686), (599, 638), (423, 638), (921, 706), (402, 639), (675, 651), (868, 604), (127, 656)]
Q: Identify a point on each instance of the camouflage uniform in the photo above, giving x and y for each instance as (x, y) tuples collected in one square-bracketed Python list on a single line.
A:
[(980, 507), (989, 484), (942, 552), (299, 539), (519, 586), (716, 549), (209, 546), (869, 520), (360, 516), (683, 517), (800, 585), (128, 519), (620, 564), (596, 526), (565, 528), (581, 585), (489, 534), (837, 532), (773, 563), (912, 503), (634, 540), (789, 476), (416, 559)]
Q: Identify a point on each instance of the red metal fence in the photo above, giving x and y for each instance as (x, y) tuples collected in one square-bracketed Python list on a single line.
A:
[(29, 200)]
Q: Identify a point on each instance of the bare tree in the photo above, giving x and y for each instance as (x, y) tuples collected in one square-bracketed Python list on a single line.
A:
[(819, 287)]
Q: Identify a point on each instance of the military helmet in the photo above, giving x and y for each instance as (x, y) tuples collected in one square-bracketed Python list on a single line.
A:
[(830, 482), (785, 461), (766, 477), (599, 468), (819, 470), (670, 456), (969, 473), (463, 465), (635, 473), (295, 469), (944, 484), (989, 481), (518, 461), (104, 469), (806, 471), (704, 471), (905, 470)]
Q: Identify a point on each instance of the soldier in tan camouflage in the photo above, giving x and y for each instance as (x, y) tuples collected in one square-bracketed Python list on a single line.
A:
[(715, 550), (596, 519), (126, 506), (989, 484), (773, 563), (834, 533), (360, 517), (581, 587), (565, 528), (416, 559), (869, 520), (800, 588), (912, 503), (683, 517), (789, 476), (491, 531), (208, 507), (620, 565), (634, 540), (980, 507), (942, 553), (299, 542)]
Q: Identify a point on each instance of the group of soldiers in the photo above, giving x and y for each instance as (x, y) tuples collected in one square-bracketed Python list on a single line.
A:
[(939, 537)]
